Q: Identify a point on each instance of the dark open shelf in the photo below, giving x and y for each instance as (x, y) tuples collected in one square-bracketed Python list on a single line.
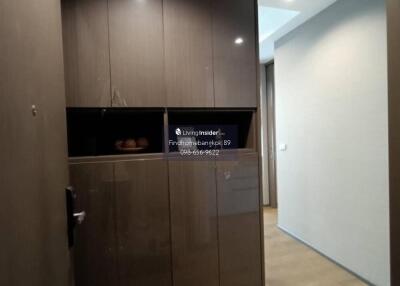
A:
[(238, 125), (95, 131)]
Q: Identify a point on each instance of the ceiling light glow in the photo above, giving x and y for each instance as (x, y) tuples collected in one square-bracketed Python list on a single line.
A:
[(239, 41)]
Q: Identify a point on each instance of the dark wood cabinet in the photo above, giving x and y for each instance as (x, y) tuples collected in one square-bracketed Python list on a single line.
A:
[(86, 53), (194, 223), (143, 229), (137, 53), (188, 53), (235, 59), (239, 222), (95, 249)]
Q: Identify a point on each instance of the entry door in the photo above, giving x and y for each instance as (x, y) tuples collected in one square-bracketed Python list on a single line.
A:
[(33, 170)]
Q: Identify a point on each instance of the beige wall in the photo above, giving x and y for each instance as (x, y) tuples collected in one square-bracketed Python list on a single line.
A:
[(331, 111)]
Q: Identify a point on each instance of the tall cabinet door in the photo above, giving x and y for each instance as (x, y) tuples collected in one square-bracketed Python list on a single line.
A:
[(137, 53), (188, 53), (239, 222), (142, 208), (194, 223), (86, 53), (33, 239), (94, 250), (235, 59)]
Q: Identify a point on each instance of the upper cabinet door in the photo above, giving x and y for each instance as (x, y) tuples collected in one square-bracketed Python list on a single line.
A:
[(188, 53), (137, 54), (86, 53), (235, 59)]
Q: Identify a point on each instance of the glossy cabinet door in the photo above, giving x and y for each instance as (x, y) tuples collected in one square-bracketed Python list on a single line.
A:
[(235, 59), (137, 53), (194, 223), (86, 53), (239, 222), (142, 220), (188, 53), (95, 242)]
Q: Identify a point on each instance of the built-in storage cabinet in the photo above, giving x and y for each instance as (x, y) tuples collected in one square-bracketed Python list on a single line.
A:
[(188, 53), (239, 221), (86, 53), (235, 59), (137, 53), (194, 223), (142, 220), (125, 239), (95, 250)]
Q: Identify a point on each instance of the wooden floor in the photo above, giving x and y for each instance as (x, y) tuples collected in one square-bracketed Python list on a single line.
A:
[(290, 262)]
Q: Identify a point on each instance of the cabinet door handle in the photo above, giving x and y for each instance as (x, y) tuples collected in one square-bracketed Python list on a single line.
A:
[(117, 99), (80, 217)]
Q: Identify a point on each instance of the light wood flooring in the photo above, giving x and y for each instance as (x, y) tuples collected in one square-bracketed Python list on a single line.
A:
[(291, 263)]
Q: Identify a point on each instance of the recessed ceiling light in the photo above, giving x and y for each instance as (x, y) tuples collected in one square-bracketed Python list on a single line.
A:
[(239, 41)]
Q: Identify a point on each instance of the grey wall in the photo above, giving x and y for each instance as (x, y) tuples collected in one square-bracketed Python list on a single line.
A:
[(264, 134), (331, 111)]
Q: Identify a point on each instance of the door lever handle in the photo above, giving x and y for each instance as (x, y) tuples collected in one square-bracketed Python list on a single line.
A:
[(79, 217)]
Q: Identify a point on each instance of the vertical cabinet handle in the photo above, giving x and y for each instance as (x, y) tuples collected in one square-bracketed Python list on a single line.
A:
[(73, 218)]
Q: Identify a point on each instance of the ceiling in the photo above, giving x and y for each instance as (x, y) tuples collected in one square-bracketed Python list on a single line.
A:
[(279, 17)]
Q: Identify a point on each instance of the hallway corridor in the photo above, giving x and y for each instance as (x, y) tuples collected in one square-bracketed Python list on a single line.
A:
[(290, 262)]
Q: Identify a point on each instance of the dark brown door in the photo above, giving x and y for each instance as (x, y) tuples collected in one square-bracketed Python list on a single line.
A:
[(188, 53), (194, 223), (235, 59), (239, 222), (34, 174), (86, 53), (137, 53), (95, 250), (143, 229)]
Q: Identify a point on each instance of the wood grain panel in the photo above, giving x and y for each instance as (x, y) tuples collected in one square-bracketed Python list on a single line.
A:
[(137, 53), (86, 53), (194, 223), (393, 20), (188, 53), (95, 244), (33, 237), (142, 207), (239, 222), (235, 65)]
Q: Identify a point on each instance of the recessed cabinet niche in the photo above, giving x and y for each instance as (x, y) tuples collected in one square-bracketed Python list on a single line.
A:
[(114, 131)]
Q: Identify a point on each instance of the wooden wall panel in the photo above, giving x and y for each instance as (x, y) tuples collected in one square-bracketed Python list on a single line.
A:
[(393, 19), (33, 239)]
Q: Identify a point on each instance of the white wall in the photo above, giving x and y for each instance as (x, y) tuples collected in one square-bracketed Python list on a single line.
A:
[(331, 110)]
